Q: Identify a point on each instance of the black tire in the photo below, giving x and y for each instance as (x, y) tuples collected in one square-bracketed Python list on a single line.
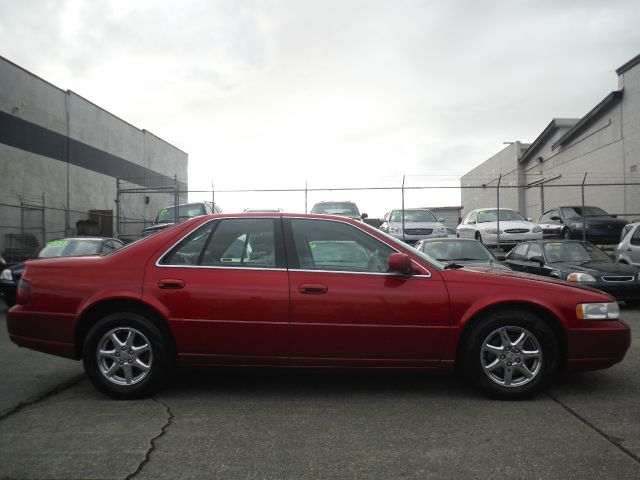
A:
[(479, 237), (566, 234), (9, 300), (482, 351), (148, 368)]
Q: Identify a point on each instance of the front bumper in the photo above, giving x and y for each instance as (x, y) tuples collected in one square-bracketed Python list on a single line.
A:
[(597, 345), (510, 238), (415, 238), (620, 291)]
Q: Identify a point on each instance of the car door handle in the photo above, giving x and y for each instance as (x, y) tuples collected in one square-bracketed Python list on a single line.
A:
[(629, 250), (171, 283), (312, 288)]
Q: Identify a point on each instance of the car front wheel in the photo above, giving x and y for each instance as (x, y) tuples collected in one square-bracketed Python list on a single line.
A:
[(566, 234), (479, 236), (126, 356), (511, 354)]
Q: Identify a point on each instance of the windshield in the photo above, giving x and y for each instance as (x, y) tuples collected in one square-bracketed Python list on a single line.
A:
[(336, 208), (457, 250), (184, 211), (413, 216), (577, 212), (505, 215), (574, 252), (70, 248)]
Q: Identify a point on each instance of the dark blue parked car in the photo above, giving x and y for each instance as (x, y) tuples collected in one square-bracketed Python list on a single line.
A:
[(577, 261), (575, 222)]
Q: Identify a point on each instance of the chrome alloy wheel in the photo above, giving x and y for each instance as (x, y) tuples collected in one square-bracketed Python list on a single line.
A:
[(511, 356), (124, 356)]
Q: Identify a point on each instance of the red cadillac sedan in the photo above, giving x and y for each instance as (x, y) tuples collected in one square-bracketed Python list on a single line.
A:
[(306, 290)]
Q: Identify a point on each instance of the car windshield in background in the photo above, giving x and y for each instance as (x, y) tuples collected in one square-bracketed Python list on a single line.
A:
[(344, 253), (70, 248), (451, 251), (348, 209), (577, 212), (413, 216), (505, 215), (574, 252), (185, 211)]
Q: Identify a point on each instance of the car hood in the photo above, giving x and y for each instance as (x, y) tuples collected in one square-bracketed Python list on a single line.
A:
[(507, 224), (599, 220), (596, 267), (511, 279), (432, 225), (488, 264)]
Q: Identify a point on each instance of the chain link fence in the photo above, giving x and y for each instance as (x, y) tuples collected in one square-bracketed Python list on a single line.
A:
[(28, 222)]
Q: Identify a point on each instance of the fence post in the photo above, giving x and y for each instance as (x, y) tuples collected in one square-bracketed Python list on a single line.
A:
[(213, 197), (306, 193), (118, 213), (403, 238), (498, 215), (44, 225), (584, 222), (176, 198)]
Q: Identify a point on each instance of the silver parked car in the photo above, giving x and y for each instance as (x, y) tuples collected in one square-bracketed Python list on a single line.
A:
[(419, 223), (628, 250), (486, 225)]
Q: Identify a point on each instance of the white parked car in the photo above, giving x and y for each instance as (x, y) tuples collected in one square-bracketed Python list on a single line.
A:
[(483, 223), (628, 250), (419, 223)]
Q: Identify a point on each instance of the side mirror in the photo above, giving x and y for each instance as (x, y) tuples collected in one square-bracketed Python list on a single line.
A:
[(539, 260), (614, 216), (529, 219), (400, 263), (440, 219), (364, 216), (501, 257), (555, 218)]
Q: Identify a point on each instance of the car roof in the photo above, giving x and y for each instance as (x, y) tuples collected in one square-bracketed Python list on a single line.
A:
[(82, 238), (433, 240)]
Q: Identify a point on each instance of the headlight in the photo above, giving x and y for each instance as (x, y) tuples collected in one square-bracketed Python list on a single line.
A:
[(598, 311), (536, 229), (492, 231), (441, 229), (6, 275), (580, 277), (394, 230)]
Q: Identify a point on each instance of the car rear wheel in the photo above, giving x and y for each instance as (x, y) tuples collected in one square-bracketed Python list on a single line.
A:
[(478, 236), (566, 234), (511, 354), (125, 356)]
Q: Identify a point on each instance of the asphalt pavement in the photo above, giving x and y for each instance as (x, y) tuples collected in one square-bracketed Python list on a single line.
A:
[(308, 424)]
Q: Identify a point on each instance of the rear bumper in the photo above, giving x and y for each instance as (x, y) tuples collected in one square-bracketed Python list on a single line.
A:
[(49, 333), (600, 345)]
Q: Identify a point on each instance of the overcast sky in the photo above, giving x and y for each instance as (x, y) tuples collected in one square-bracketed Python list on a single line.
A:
[(340, 93)]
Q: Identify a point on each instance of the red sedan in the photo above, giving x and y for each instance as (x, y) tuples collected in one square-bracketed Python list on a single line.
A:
[(305, 290)]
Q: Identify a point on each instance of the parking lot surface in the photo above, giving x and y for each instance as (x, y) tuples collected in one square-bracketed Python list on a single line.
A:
[(308, 424)]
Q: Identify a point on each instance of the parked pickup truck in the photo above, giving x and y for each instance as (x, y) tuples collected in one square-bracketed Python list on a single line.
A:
[(170, 215)]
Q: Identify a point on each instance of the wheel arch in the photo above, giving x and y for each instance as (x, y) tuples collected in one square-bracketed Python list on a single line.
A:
[(95, 312), (545, 315)]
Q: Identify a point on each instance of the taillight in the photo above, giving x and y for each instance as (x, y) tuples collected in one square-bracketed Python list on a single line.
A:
[(23, 293)]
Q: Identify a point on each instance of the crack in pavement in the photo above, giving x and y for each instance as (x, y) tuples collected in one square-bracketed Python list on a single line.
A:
[(43, 396), (615, 441), (152, 442)]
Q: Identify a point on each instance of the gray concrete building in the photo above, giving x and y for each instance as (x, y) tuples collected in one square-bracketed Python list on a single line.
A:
[(61, 159), (600, 150)]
